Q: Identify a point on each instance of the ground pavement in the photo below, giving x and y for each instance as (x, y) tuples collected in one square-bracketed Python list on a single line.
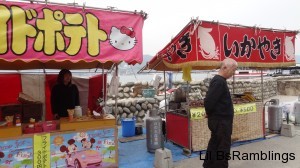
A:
[(282, 149)]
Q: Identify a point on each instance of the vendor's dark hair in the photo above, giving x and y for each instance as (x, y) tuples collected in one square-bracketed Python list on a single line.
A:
[(60, 77)]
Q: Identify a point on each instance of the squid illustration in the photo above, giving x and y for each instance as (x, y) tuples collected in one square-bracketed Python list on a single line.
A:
[(207, 46), (289, 48)]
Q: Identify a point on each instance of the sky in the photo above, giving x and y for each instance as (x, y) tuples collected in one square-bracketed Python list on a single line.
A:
[(166, 18)]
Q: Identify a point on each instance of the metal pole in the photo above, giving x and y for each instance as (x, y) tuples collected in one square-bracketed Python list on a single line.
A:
[(189, 118), (287, 118), (116, 98), (165, 91), (155, 65), (87, 7), (262, 86), (103, 84), (165, 116), (262, 100)]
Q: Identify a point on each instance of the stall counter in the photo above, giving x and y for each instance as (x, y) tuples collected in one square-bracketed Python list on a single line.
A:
[(182, 129), (11, 131), (76, 140), (78, 124)]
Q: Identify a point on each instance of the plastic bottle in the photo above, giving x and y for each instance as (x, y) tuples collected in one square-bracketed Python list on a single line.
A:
[(18, 120), (78, 111)]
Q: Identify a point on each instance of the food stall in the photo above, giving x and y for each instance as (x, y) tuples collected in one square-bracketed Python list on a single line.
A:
[(202, 45), (42, 35)]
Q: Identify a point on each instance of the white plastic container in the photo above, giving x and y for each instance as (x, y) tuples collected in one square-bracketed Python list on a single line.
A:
[(78, 111), (297, 112)]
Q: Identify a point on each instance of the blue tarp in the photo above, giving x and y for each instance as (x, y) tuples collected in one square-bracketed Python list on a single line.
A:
[(135, 155)]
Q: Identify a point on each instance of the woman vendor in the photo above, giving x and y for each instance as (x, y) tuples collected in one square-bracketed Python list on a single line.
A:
[(64, 95)]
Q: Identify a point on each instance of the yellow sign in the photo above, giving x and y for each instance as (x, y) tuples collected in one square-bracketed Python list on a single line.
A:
[(199, 112), (244, 108), (41, 149)]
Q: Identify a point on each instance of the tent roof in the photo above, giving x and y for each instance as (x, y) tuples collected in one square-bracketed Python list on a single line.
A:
[(52, 64), (157, 63)]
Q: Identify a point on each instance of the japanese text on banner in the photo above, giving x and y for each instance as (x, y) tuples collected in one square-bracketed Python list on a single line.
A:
[(31, 31)]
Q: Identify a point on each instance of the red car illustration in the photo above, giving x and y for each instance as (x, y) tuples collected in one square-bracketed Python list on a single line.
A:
[(84, 158)]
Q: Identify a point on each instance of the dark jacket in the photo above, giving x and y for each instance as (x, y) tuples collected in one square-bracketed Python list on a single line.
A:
[(218, 103), (64, 97)]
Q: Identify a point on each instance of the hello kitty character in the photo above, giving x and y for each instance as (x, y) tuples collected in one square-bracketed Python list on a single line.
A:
[(289, 48), (123, 38), (207, 46)]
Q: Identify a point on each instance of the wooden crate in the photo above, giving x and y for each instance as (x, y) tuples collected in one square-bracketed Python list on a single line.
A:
[(138, 89)]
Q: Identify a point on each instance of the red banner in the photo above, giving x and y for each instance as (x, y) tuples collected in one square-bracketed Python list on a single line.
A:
[(44, 32), (205, 44)]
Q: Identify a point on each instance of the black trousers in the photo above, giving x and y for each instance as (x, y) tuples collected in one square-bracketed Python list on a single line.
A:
[(218, 148)]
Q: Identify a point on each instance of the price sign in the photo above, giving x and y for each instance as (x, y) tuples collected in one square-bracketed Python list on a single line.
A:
[(244, 108), (41, 149), (197, 113)]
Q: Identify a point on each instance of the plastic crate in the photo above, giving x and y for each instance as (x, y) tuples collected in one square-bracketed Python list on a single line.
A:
[(148, 92), (49, 126), (35, 129)]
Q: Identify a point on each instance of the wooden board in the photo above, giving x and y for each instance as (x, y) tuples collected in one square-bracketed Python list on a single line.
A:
[(66, 125), (11, 131)]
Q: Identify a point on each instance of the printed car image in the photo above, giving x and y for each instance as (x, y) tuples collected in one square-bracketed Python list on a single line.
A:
[(84, 158)]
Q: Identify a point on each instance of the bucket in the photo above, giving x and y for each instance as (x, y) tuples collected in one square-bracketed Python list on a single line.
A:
[(148, 92), (138, 130), (128, 127)]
